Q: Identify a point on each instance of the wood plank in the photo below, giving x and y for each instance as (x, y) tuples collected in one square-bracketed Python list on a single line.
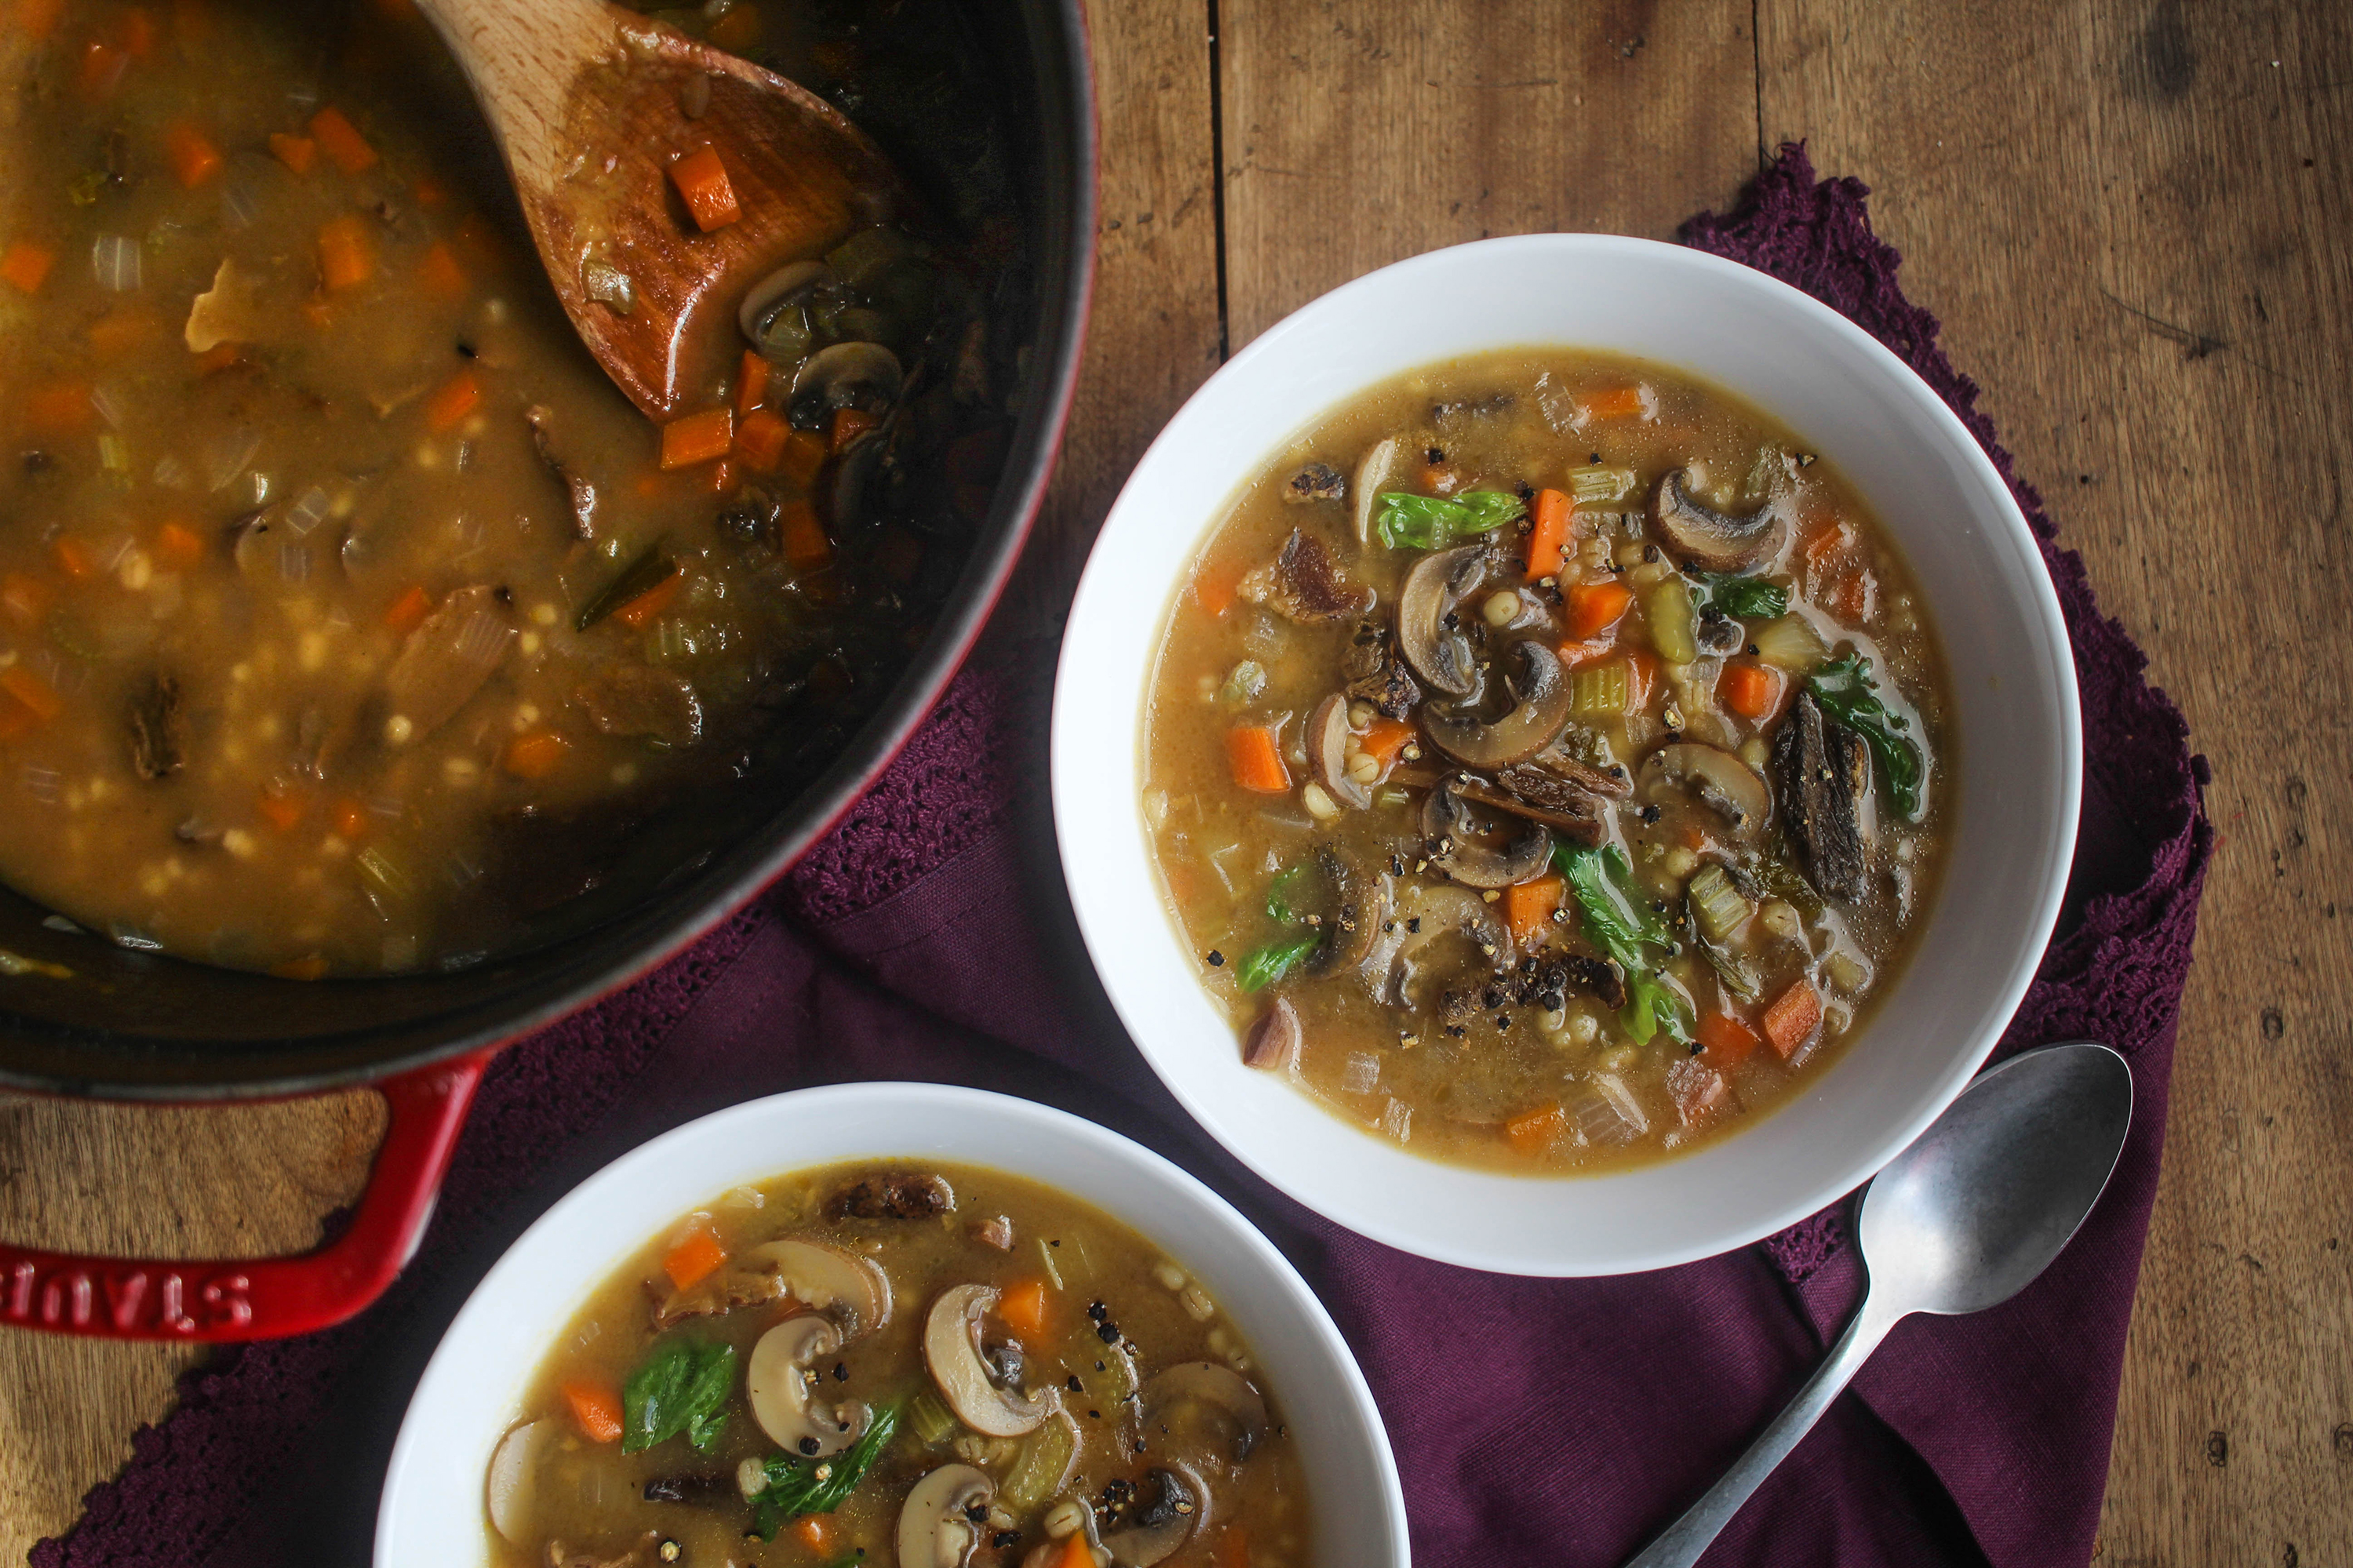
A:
[(1359, 131), (237, 1182), (2129, 216), (1153, 333)]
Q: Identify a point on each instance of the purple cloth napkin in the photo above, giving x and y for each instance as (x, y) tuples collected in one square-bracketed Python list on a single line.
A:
[(1546, 1421)]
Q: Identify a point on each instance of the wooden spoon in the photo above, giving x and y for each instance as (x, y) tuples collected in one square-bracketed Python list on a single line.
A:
[(592, 104)]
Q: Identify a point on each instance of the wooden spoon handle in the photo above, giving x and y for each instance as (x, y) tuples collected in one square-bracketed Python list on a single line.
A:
[(523, 58)]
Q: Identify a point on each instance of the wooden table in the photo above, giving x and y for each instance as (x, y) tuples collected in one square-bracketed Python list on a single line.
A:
[(2130, 216)]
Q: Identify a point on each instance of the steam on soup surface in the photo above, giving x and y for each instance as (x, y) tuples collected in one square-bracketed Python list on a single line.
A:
[(875, 1364), (350, 619), (1542, 761)]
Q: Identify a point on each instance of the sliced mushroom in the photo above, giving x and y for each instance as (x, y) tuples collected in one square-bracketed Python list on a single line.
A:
[(1274, 1039), (1613, 781), (1359, 903), (777, 1383), (579, 495), (1327, 750), (512, 1482), (1577, 815), (1205, 1388), (1470, 862), (158, 735), (897, 1194), (1439, 654), (1535, 721), (1382, 468), (1709, 541), (1179, 1510), (1375, 674), (1423, 916), (936, 1523), (853, 1291), (764, 301), (1316, 481), (846, 376), (952, 1350), (1824, 774), (1722, 781), (1304, 583)]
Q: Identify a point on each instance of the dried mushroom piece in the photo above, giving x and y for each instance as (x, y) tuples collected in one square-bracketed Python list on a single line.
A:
[(158, 729), (898, 1195), (1305, 584), (1823, 774), (580, 496), (1316, 481)]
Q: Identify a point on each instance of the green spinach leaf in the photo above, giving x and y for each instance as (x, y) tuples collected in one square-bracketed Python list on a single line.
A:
[(797, 1486), (1272, 962), (679, 1389), (1847, 692), (1279, 893), (1432, 523), (1746, 598)]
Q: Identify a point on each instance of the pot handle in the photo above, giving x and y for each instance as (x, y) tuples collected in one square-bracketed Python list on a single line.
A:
[(264, 1298)]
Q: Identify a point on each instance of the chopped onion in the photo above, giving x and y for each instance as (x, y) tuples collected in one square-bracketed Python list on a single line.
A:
[(1609, 1115), (240, 201), (229, 455), (42, 783), (1363, 1071), (171, 473), (294, 562), (109, 404), (114, 261), (113, 453), (609, 285), (304, 514)]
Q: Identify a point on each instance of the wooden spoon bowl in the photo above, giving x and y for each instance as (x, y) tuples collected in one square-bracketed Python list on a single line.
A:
[(592, 105)]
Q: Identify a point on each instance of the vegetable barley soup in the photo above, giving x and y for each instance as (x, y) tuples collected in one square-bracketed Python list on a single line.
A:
[(1542, 761), (350, 621), (936, 1366)]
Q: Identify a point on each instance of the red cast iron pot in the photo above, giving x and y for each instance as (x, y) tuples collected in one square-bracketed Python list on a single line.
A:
[(136, 1026)]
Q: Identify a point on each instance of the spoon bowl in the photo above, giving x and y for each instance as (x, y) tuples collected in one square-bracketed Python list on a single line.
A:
[(1962, 1220)]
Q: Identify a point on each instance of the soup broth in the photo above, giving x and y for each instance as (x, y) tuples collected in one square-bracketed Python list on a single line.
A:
[(1542, 761), (866, 1361)]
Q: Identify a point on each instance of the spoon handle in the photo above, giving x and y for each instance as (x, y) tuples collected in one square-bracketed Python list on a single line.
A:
[(1685, 1540)]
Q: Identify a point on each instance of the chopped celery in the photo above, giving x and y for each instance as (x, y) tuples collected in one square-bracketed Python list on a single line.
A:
[(1599, 690), (1789, 644), (1669, 607), (1716, 902), (384, 876), (930, 1419), (1244, 684), (1044, 1459), (1597, 482)]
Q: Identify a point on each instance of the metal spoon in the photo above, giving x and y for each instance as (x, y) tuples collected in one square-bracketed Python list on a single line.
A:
[(1962, 1220)]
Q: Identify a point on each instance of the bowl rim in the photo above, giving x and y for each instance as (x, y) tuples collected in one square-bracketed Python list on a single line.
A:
[(1248, 1247), (1068, 743)]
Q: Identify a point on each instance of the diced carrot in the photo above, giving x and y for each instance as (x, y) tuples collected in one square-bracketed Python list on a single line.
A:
[(535, 755), (311, 967), (693, 439), (346, 253), (1075, 1553), (38, 18), (804, 541), (1256, 760), (1792, 1018), (1383, 738), (738, 31), (1642, 679), (761, 439), (340, 141), (1617, 403), (297, 153), (1824, 537), (26, 599), (848, 424), (31, 690), (283, 807), (219, 358), (1728, 1040), (439, 270), (1751, 690), (17, 721), (750, 382), (61, 409), (639, 611), (74, 558), (1233, 1547), (452, 401), (27, 266), (1549, 534), (814, 1530), (193, 156), (1577, 655), (430, 194), (1528, 907), (1532, 1132), (805, 454), (701, 180), (409, 611), (135, 30), (101, 69), (694, 1260), (1595, 607), (1214, 590), (596, 1406), (1855, 595), (350, 818), (1022, 1305)]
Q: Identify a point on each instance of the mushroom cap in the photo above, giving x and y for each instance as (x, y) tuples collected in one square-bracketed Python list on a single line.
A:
[(512, 1484), (1722, 781), (1376, 470), (763, 299), (776, 1380), (952, 1351), (846, 376), (934, 1532), (1172, 1518), (1429, 595), (1537, 717), (1219, 1390), (1709, 541), (1389, 969), (1472, 863), (853, 1291), (1327, 750), (1272, 1043)]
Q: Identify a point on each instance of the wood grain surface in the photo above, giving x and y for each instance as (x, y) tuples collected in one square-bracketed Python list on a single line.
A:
[(2131, 214)]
